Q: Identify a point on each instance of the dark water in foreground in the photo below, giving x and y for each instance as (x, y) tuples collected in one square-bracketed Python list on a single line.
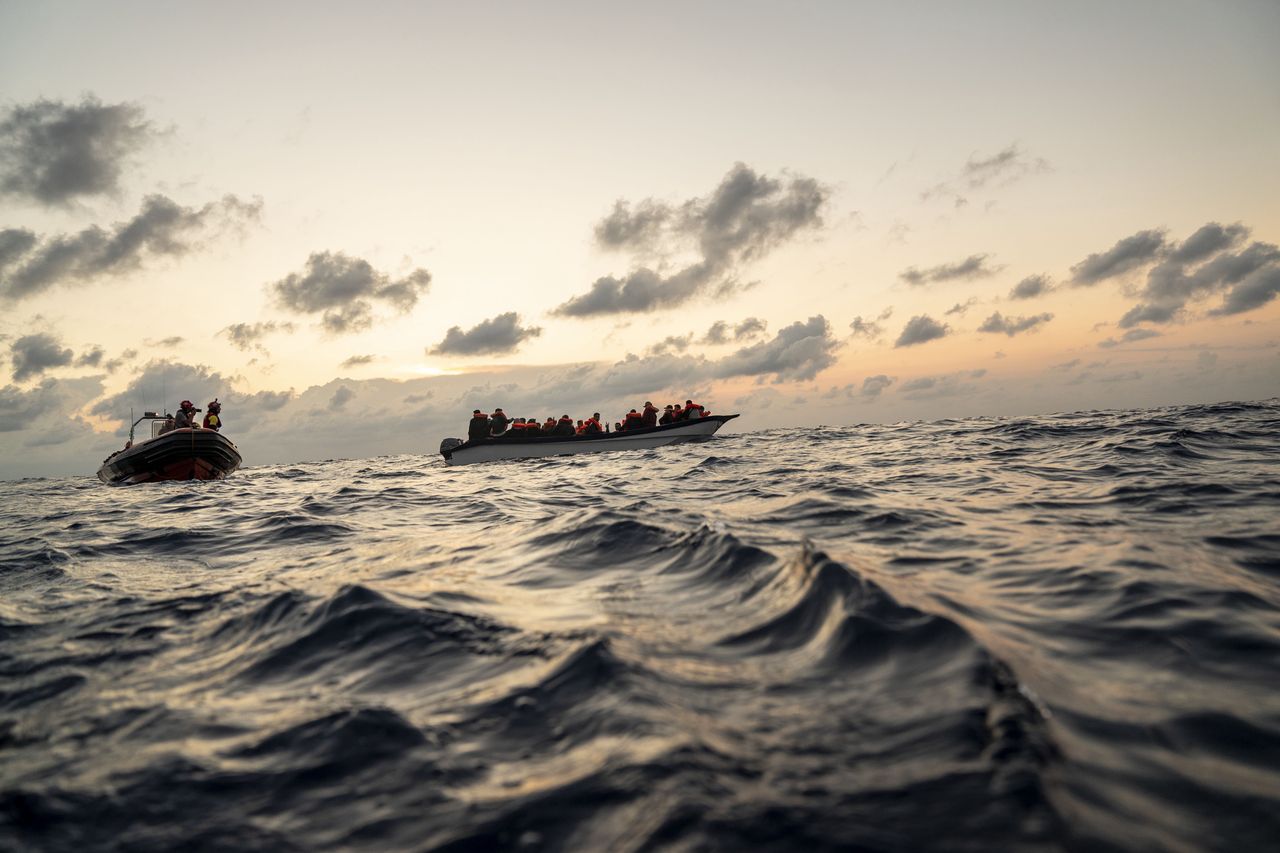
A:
[(1040, 633)]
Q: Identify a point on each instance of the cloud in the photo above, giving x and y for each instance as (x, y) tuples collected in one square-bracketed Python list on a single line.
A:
[(743, 219), (340, 398), (247, 336), (32, 355), (799, 351), (342, 290), (919, 330), (1011, 326), (873, 385), (91, 358), (1066, 365), (866, 328), (356, 361), (1208, 240), (962, 308), (161, 229), (1031, 287), (164, 343), (240, 410), (1129, 337), (14, 243), (945, 385), (498, 335), (1130, 253), (974, 266), (670, 344), (1003, 168), (18, 408), (1256, 290), (752, 327), (52, 152)]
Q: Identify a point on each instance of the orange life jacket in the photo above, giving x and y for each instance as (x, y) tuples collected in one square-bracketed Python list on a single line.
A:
[(693, 411)]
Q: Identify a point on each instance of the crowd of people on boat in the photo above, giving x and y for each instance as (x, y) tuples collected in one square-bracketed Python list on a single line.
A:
[(498, 425)]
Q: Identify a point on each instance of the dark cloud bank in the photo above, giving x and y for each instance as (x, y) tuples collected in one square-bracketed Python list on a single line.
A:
[(162, 228), (53, 152), (343, 290), (32, 355), (743, 219)]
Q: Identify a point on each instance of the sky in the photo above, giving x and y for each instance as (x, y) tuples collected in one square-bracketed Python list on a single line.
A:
[(353, 224)]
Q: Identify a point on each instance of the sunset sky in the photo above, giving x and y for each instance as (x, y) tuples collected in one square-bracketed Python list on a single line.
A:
[(354, 223)]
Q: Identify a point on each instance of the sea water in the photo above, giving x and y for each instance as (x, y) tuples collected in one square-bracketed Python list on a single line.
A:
[(1057, 632)]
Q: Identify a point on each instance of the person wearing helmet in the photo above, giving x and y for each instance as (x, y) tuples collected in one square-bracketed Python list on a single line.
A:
[(213, 419), (185, 419)]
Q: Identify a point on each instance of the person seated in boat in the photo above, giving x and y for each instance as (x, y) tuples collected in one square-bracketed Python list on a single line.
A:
[(548, 426), (498, 422), (692, 411), (649, 417), (185, 418), (564, 426), (531, 428), (478, 428), (578, 430), (633, 420), (667, 416), (213, 417), (591, 426), (677, 413)]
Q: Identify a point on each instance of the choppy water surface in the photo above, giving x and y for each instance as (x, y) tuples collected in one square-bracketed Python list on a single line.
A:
[(1040, 633)]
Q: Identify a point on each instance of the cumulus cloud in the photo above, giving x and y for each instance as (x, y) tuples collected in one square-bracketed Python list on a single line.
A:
[(799, 351), (356, 361), (721, 332), (52, 152), (866, 328), (962, 308), (1256, 290), (921, 329), (247, 336), (974, 266), (1031, 287), (19, 408), (91, 357), (340, 398), (669, 344), (32, 355), (999, 324), (1128, 254), (743, 219), (342, 289), (1129, 337), (872, 386), (495, 336), (162, 228)]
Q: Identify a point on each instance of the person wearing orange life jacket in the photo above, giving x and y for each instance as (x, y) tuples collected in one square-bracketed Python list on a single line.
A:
[(564, 426), (549, 426), (531, 428), (213, 419), (478, 428), (498, 423), (633, 420), (677, 413), (591, 426), (692, 411), (649, 417)]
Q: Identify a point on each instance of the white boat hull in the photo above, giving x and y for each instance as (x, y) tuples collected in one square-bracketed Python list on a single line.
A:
[(493, 450)]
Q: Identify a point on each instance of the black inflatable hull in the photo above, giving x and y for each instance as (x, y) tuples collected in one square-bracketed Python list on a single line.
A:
[(183, 454)]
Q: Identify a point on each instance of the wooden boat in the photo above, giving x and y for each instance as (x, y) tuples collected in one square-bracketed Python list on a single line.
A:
[(175, 454), (458, 452)]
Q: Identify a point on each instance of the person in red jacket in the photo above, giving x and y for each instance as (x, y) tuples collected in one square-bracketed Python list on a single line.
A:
[(213, 417), (692, 411), (649, 417), (633, 420)]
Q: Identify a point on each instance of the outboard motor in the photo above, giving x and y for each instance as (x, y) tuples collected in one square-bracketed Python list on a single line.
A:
[(450, 444)]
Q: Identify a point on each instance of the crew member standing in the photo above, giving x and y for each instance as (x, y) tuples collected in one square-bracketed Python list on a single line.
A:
[(213, 419)]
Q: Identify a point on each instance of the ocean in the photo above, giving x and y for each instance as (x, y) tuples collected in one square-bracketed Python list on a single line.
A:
[(1042, 633)]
